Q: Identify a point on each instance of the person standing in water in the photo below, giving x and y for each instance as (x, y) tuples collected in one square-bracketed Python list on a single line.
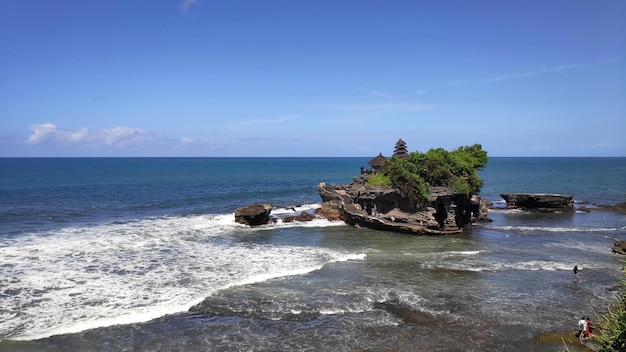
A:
[(576, 272), (582, 327)]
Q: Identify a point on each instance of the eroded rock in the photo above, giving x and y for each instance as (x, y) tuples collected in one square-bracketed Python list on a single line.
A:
[(254, 214)]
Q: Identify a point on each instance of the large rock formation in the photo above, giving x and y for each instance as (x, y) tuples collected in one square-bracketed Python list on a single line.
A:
[(542, 202), (387, 209), (254, 214)]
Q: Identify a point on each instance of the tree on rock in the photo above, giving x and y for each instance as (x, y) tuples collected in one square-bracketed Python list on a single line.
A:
[(416, 173)]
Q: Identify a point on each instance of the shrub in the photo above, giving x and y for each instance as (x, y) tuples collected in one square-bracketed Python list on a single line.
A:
[(416, 173), (611, 333)]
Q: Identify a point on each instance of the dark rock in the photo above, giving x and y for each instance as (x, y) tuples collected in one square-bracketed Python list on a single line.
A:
[(386, 209), (619, 247), (407, 314), (254, 214), (539, 201), (303, 217)]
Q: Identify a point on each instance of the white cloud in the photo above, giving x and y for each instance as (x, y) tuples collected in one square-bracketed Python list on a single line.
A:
[(542, 71), (420, 92), (381, 94), (387, 108), (50, 134), (187, 4), (376, 93)]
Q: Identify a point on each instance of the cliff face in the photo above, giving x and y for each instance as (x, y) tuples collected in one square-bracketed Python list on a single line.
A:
[(387, 209)]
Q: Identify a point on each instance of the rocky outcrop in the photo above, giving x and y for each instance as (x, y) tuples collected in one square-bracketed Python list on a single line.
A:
[(303, 217), (480, 208), (542, 202), (254, 214), (619, 247), (387, 209)]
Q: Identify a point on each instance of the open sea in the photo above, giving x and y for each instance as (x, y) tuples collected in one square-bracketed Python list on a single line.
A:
[(143, 254)]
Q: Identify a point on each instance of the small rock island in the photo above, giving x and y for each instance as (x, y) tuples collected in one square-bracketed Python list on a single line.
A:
[(417, 193), (539, 202)]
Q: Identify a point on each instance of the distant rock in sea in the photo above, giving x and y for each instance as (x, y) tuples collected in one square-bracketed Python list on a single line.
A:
[(542, 202)]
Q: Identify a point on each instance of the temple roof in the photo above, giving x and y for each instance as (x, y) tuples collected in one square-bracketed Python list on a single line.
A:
[(378, 161), (400, 149)]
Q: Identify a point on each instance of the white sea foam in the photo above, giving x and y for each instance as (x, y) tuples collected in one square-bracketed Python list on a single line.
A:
[(473, 261), (464, 252), (481, 261), (86, 277), (280, 223), (551, 229), (296, 209)]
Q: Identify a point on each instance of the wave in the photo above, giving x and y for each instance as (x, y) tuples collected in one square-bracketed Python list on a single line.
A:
[(296, 209), (501, 266), (465, 252), (299, 271), (484, 261), (551, 229), (86, 277)]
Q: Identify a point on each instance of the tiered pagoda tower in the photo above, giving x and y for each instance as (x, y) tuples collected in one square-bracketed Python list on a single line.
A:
[(400, 149)]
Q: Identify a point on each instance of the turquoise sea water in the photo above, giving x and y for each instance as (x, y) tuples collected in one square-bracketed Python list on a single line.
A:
[(108, 254)]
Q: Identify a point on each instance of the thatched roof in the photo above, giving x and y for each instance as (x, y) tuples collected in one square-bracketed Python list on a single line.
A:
[(378, 162)]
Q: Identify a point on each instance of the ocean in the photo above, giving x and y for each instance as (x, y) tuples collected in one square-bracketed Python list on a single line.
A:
[(143, 254)]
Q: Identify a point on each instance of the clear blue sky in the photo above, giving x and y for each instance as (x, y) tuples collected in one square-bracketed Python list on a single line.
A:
[(311, 78)]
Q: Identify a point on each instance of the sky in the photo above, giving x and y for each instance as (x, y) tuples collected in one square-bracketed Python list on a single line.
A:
[(322, 78)]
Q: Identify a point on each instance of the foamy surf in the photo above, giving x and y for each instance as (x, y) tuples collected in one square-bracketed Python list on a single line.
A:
[(296, 209), (482, 262), (81, 278), (551, 229)]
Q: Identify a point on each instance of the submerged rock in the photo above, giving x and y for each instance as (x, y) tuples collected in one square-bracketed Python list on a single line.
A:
[(619, 207), (563, 341), (409, 315), (303, 217), (619, 247)]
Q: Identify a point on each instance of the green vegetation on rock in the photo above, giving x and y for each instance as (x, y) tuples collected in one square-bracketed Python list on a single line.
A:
[(611, 326), (416, 173), (379, 179)]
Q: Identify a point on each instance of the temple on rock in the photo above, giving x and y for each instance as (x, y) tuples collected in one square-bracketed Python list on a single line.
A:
[(377, 163), (389, 208), (400, 149)]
